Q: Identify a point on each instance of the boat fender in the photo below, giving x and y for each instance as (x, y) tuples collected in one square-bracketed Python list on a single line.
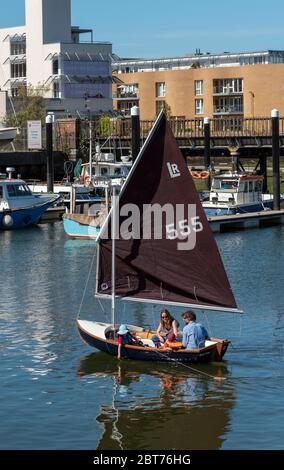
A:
[(195, 174), (86, 179), (204, 175), (8, 221), (200, 175)]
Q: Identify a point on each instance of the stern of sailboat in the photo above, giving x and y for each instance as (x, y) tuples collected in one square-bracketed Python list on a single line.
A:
[(221, 348)]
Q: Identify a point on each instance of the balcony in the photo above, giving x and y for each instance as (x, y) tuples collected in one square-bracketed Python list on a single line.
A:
[(228, 110), (126, 96), (220, 91)]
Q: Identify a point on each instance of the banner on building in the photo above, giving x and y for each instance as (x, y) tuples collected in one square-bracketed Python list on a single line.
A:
[(34, 135)]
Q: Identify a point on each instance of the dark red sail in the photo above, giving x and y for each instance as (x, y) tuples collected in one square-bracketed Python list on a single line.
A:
[(155, 269)]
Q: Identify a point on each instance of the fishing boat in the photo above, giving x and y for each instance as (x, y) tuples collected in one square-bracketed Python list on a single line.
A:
[(179, 266), (105, 172), (104, 168), (84, 226), (237, 193), (19, 207)]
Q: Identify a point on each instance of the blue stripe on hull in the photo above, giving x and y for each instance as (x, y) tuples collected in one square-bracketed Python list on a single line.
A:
[(146, 354), (76, 230), (24, 217), (258, 207)]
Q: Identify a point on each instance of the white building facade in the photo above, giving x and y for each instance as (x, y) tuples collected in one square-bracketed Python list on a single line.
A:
[(76, 77)]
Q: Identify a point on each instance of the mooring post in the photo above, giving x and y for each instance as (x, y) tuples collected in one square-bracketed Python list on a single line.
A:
[(135, 125), (263, 171), (275, 158), (207, 160), (49, 149)]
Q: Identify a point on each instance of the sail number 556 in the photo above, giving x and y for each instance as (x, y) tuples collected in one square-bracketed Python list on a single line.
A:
[(183, 228)]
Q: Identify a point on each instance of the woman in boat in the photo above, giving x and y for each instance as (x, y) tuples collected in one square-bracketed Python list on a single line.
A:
[(169, 324)]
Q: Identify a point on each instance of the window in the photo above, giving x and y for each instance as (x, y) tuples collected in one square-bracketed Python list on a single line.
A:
[(198, 85), (15, 91), (18, 190), (1, 192), (18, 70), (159, 106), (160, 90), (55, 67), (228, 86), (18, 47), (199, 106), (56, 90)]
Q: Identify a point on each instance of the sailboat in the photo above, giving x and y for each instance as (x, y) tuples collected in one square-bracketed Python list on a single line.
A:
[(181, 266)]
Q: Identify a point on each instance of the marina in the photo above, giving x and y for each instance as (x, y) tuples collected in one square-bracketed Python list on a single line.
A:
[(49, 376), (141, 234)]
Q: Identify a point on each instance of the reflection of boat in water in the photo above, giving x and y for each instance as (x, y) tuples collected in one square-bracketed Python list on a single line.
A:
[(156, 406), (180, 265), (237, 193)]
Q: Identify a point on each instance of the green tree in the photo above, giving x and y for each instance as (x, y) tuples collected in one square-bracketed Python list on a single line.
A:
[(104, 127), (29, 105)]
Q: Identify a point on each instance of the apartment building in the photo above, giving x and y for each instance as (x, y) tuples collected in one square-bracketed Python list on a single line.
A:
[(73, 71), (247, 84)]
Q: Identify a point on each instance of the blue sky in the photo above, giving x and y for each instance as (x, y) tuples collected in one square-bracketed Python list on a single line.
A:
[(159, 28)]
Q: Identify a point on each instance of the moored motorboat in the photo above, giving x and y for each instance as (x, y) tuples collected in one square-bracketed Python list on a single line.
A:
[(237, 193), (19, 207)]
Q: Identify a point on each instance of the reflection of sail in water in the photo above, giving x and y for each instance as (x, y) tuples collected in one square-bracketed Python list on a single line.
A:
[(154, 406)]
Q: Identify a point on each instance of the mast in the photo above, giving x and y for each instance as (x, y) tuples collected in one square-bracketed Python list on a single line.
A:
[(90, 150), (113, 237)]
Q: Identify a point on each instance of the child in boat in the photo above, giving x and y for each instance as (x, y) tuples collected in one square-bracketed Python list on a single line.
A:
[(125, 337)]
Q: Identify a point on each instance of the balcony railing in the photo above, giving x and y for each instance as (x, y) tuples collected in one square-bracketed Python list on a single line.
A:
[(218, 91), (126, 96), (228, 110)]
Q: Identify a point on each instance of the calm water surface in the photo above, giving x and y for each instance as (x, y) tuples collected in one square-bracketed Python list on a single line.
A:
[(57, 393)]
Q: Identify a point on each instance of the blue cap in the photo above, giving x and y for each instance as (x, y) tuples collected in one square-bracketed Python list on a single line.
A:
[(123, 330)]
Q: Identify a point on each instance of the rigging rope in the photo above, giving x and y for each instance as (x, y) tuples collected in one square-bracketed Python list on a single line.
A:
[(192, 368)]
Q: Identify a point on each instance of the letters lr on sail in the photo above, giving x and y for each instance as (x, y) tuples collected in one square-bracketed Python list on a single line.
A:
[(172, 267)]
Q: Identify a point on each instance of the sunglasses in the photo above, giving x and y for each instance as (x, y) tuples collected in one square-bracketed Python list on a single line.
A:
[(164, 316)]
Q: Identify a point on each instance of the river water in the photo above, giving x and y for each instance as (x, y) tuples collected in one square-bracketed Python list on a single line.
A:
[(57, 393)]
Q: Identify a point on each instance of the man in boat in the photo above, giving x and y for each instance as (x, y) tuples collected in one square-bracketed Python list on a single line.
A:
[(194, 334)]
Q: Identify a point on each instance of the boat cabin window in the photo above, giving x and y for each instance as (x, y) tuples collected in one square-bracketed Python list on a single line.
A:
[(258, 186), (224, 184), (1, 192), (117, 171), (250, 186), (16, 190), (104, 171)]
